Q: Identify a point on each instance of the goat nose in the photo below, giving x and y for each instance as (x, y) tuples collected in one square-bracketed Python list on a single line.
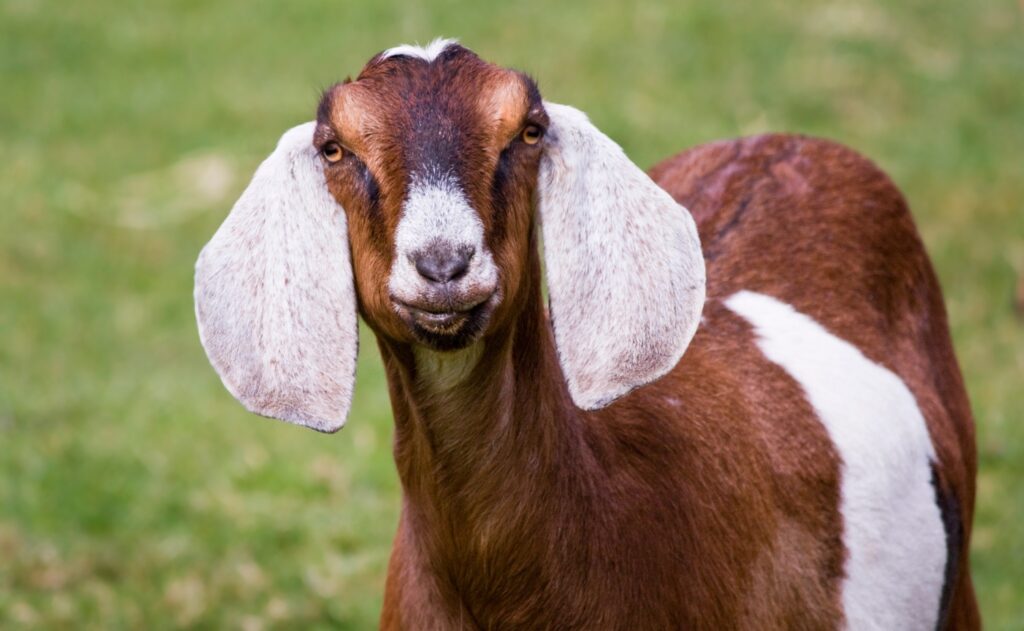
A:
[(441, 265)]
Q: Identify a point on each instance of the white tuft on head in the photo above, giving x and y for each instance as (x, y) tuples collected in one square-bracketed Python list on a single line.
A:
[(427, 53)]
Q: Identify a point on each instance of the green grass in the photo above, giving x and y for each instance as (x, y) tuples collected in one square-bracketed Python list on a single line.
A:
[(134, 492)]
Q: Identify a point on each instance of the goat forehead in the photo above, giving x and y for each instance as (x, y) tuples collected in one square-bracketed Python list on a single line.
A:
[(439, 131), (453, 93), (446, 118)]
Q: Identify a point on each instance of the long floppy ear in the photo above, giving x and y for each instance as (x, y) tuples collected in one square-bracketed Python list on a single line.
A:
[(624, 266), (275, 299)]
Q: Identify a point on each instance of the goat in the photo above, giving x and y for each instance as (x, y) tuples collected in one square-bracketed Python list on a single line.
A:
[(809, 461)]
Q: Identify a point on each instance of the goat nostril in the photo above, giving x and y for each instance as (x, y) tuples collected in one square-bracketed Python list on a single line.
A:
[(444, 266)]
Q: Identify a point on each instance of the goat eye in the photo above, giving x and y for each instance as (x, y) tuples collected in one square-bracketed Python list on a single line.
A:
[(332, 152), (532, 134)]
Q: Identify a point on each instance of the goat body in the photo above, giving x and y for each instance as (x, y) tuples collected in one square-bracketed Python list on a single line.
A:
[(710, 498), (808, 463)]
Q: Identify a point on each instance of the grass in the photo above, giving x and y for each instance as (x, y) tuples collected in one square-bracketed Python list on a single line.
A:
[(135, 493)]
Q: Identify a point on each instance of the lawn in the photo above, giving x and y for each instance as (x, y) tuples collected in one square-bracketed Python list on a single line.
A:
[(136, 493)]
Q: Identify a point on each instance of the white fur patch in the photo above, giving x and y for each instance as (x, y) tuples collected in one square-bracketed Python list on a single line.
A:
[(892, 527), (427, 53), (625, 271), (438, 213)]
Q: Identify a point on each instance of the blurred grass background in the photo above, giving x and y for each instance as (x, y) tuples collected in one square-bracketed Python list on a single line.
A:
[(135, 493)]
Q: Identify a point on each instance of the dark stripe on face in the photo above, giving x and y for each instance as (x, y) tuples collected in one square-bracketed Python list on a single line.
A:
[(499, 188), (432, 150), (438, 115), (436, 145), (372, 189)]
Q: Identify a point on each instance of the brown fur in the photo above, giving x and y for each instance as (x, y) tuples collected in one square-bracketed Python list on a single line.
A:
[(706, 500), (776, 207)]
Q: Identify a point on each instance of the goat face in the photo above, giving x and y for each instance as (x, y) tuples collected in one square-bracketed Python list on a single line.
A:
[(415, 191), (435, 162)]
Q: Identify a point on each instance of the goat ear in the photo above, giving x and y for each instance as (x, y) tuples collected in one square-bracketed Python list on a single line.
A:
[(625, 272), (275, 299)]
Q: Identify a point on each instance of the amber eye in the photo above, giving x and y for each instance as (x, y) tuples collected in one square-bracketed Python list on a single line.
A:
[(332, 152), (532, 134)]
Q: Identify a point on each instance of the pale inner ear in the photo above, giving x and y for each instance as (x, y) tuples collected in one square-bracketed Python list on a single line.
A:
[(625, 271), (274, 294)]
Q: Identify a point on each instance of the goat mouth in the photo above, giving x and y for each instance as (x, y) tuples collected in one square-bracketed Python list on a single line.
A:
[(444, 322), (447, 327)]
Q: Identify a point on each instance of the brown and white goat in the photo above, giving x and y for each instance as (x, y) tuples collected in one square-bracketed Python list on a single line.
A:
[(808, 463)]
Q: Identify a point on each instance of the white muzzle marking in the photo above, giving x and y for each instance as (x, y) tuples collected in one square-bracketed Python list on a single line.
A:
[(437, 214)]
